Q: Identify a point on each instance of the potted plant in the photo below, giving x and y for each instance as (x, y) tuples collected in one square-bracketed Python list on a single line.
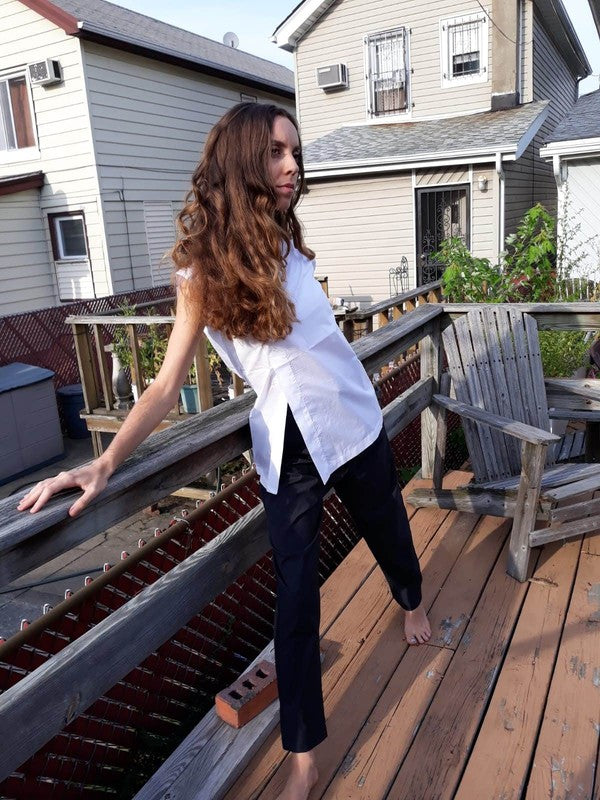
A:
[(189, 391)]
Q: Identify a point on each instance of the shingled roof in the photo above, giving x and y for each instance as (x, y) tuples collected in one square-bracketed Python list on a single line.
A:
[(582, 122), (467, 138), (99, 20)]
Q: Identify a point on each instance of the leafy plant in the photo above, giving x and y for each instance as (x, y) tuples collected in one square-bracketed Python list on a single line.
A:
[(466, 279), (529, 264), (536, 267), (563, 352), (121, 346)]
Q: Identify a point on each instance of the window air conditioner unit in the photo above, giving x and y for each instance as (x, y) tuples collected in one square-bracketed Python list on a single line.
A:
[(44, 73), (332, 76)]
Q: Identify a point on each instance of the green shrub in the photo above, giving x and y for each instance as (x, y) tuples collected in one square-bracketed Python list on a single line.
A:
[(528, 272)]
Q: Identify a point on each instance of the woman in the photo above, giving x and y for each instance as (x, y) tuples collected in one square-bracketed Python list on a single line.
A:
[(246, 274)]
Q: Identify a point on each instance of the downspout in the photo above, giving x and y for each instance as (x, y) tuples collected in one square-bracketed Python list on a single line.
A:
[(557, 169), (501, 182), (519, 86)]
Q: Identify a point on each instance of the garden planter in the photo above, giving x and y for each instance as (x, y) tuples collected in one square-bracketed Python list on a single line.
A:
[(189, 398)]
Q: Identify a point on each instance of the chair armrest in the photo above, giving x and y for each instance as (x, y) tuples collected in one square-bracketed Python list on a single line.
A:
[(587, 388), (573, 399), (519, 430)]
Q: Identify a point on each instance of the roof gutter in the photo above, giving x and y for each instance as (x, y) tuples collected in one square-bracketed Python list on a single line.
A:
[(558, 24), (572, 148), (91, 33), (595, 9)]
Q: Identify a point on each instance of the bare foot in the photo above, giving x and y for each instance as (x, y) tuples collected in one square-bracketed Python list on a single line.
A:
[(303, 776), (416, 626)]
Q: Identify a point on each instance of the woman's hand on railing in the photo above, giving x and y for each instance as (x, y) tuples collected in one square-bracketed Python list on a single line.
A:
[(92, 478)]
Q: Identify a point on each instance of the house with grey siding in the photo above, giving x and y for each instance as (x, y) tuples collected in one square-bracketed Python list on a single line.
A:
[(103, 114), (423, 121), (573, 149)]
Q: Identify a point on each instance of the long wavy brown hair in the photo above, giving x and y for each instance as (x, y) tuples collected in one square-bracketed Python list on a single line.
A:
[(232, 239)]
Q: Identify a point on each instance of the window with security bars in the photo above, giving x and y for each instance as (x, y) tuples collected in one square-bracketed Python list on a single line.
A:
[(387, 72), (16, 128), (464, 50)]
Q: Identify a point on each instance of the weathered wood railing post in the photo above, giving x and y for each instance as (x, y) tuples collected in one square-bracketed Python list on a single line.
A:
[(105, 375), (137, 374), (87, 370), (205, 398), (431, 367)]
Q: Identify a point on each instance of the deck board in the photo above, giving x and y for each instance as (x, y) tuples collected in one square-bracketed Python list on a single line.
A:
[(503, 704)]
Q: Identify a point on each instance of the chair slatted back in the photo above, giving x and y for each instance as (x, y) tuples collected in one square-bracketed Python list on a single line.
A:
[(495, 364)]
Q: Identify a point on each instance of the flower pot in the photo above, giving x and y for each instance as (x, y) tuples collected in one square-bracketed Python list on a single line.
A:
[(189, 398)]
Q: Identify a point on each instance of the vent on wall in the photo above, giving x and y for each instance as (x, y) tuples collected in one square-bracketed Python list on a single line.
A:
[(332, 76), (43, 73)]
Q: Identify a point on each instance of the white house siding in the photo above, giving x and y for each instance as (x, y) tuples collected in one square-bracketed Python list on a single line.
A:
[(485, 214), (26, 279), (150, 121), (359, 229), (65, 152), (582, 211), (530, 179), (338, 37)]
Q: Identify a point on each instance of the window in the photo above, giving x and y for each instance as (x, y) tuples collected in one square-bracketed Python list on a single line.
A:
[(464, 50), (387, 59), (67, 232), (16, 128)]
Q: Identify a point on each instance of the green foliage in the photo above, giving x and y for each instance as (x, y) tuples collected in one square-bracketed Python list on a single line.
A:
[(120, 341), (466, 279), (528, 273), (152, 343), (529, 268), (563, 352)]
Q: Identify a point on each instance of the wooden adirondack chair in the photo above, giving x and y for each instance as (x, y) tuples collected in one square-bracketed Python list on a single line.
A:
[(495, 366)]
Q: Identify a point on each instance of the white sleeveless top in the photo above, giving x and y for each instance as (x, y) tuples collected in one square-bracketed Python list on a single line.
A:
[(314, 371)]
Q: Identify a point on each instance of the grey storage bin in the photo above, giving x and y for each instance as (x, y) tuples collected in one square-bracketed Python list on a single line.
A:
[(30, 434)]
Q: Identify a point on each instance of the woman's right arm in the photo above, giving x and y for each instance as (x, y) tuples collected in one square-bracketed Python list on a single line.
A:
[(152, 407)]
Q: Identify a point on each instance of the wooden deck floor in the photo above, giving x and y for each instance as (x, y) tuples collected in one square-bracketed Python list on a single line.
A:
[(503, 703)]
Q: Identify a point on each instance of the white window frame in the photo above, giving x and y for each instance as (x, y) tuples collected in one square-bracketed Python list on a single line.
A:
[(59, 239), (21, 153), (447, 79), (394, 115)]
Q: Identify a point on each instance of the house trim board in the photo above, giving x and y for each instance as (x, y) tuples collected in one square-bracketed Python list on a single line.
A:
[(572, 148), (13, 184), (108, 277), (49, 11), (330, 169)]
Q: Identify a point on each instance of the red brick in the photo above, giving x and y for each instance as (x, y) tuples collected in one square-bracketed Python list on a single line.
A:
[(248, 695)]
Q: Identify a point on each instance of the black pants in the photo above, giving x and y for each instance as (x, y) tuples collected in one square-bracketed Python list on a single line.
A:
[(368, 487)]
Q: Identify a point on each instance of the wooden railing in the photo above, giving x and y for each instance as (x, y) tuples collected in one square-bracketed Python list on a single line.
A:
[(359, 323), (81, 672), (100, 413)]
